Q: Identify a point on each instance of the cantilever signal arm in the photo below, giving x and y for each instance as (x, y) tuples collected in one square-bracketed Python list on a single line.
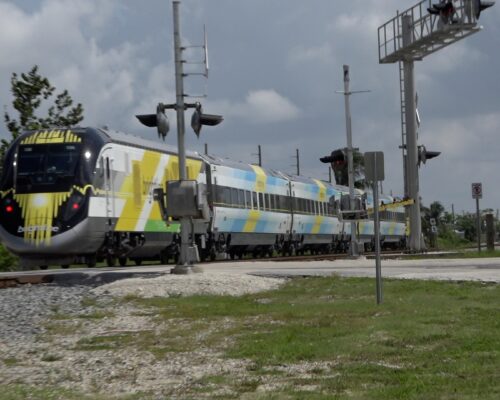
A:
[(396, 204)]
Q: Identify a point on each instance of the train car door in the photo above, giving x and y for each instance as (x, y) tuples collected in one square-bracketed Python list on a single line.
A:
[(107, 162)]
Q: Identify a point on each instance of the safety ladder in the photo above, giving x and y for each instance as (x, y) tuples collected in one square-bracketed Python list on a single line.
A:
[(403, 117)]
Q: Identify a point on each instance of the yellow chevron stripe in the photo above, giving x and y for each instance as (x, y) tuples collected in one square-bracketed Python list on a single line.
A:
[(261, 178), (132, 211), (317, 224), (322, 190), (251, 223)]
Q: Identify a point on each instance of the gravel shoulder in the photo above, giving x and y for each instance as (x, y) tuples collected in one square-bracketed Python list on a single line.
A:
[(44, 329)]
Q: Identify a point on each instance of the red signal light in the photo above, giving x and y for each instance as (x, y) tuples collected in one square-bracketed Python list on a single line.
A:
[(75, 206), (9, 209)]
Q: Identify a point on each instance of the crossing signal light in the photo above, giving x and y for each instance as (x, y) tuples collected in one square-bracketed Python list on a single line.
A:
[(159, 120), (424, 154), (444, 9), (199, 119), (479, 5), (338, 161)]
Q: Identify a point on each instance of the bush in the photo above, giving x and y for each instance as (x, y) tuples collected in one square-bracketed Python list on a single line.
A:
[(8, 262), (448, 240)]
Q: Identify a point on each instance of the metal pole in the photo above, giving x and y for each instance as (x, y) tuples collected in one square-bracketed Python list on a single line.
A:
[(185, 259), (206, 148), (478, 226), (376, 227), (353, 248), (260, 157), (298, 162), (411, 141), (330, 174)]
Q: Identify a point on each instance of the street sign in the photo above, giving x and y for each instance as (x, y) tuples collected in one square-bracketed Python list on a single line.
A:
[(477, 190), (434, 229), (432, 221), (374, 166)]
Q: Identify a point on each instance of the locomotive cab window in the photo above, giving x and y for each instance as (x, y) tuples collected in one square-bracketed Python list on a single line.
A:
[(41, 165)]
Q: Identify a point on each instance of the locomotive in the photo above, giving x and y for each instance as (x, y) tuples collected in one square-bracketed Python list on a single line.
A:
[(82, 195)]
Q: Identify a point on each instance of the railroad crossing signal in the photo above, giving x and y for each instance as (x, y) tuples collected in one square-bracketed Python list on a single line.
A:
[(477, 190)]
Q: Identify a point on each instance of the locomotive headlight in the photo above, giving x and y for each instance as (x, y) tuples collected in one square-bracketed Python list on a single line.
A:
[(87, 155), (40, 200)]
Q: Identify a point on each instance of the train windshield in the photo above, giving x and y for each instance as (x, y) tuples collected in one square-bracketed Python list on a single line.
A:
[(46, 167)]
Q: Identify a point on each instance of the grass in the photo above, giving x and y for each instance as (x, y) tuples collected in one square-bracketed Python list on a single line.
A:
[(23, 392), (318, 338), (427, 340)]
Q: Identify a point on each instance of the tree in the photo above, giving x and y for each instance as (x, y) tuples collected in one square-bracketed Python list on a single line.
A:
[(29, 90)]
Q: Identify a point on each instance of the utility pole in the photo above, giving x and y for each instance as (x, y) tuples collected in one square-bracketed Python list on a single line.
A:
[(186, 259), (259, 155), (297, 157), (182, 192), (353, 248)]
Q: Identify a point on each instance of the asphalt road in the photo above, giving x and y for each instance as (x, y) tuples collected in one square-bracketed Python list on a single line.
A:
[(484, 269)]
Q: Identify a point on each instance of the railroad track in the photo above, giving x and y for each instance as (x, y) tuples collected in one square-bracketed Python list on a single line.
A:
[(16, 278)]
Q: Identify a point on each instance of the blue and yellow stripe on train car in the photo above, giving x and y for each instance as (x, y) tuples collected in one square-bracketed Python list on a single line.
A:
[(254, 216)]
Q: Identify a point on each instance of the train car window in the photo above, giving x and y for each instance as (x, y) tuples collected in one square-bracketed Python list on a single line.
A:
[(261, 202), (267, 196), (241, 198), (234, 197), (219, 195), (227, 196), (272, 198), (255, 206), (248, 201)]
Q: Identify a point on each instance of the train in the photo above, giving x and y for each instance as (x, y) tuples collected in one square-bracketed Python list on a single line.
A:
[(85, 195)]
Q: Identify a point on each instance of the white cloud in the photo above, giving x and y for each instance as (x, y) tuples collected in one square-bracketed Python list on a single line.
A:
[(321, 54), (260, 106)]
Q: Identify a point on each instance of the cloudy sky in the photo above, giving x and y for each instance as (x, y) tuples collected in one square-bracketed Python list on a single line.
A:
[(274, 68)]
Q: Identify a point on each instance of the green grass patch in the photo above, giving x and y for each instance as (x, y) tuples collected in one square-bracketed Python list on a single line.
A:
[(10, 362), (23, 392), (427, 340)]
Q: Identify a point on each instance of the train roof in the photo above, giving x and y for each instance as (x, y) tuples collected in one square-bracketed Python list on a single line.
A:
[(226, 162), (138, 141)]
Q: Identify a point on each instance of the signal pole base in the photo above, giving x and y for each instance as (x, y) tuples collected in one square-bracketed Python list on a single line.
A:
[(186, 269), (187, 260)]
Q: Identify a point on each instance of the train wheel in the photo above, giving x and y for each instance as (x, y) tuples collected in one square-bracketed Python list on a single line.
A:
[(163, 257), (122, 261), (44, 266), (110, 260), (65, 266), (91, 261)]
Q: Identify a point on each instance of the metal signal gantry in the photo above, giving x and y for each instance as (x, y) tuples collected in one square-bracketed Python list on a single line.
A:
[(412, 35)]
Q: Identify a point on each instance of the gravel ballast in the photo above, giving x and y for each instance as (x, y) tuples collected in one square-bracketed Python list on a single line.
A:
[(42, 328)]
